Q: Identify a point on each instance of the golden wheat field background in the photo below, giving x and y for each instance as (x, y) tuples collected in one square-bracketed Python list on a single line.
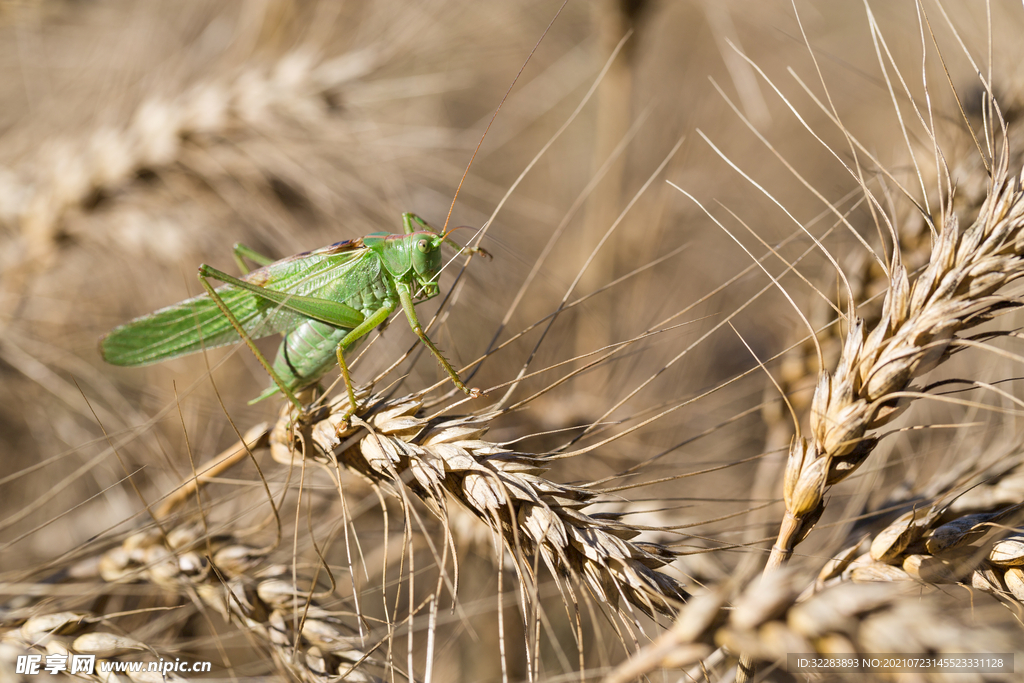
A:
[(675, 195)]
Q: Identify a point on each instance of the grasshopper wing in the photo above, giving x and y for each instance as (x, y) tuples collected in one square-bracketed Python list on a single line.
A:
[(197, 323)]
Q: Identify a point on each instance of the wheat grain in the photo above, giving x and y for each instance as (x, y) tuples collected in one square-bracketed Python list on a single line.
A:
[(920, 547), (241, 584), (918, 328), (67, 172), (64, 634), (394, 445), (769, 622), (505, 489)]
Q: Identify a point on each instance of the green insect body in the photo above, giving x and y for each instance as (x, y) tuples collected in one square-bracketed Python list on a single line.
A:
[(306, 354), (324, 302)]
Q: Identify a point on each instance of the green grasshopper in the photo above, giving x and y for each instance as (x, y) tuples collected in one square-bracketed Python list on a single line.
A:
[(322, 301)]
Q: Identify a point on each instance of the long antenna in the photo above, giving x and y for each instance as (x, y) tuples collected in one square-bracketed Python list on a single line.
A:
[(495, 115)]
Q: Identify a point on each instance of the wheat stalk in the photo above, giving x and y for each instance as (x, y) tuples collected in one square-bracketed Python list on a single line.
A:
[(917, 330)]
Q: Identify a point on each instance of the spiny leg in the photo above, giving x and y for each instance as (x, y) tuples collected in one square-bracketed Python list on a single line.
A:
[(405, 295), (361, 330), (242, 252), (331, 312), (204, 272)]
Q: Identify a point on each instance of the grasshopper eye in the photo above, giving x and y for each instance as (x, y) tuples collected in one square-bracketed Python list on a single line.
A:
[(423, 245)]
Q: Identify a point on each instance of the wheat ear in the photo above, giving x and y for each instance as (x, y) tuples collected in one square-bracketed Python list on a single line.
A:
[(280, 612), (533, 516), (769, 620), (917, 330)]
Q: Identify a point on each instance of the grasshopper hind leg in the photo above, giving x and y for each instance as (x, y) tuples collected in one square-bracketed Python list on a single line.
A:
[(204, 272)]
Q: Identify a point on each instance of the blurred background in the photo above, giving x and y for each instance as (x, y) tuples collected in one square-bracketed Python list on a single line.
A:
[(140, 139)]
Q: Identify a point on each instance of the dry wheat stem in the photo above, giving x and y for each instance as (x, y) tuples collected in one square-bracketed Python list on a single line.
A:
[(254, 438), (917, 330)]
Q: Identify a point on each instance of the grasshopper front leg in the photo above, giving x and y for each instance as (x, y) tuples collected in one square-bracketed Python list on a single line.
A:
[(405, 296)]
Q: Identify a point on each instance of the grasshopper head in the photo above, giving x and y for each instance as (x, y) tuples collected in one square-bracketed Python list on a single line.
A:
[(426, 261), (414, 258)]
